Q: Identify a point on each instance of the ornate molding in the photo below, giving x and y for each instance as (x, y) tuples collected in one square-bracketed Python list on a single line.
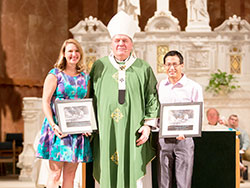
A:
[(161, 51), (139, 50), (89, 25), (26, 162), (32, 103), (233, 24), (162, 22), (198, 59), (30, 116)]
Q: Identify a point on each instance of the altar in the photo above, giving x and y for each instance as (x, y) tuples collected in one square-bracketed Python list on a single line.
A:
[(216, 160)]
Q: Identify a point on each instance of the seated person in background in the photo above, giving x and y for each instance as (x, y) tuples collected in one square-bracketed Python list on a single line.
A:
[(233, 123), (214, 121)]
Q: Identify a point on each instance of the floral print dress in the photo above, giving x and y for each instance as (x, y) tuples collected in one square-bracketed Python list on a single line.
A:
[(75, 147)]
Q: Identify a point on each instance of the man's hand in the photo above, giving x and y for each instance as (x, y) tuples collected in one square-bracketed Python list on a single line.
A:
[(180, 137), (145, 132)]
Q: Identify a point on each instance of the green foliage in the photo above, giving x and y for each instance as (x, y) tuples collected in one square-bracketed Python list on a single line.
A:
[(221, 82)]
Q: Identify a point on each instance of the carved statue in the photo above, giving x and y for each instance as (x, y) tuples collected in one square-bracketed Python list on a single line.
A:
[(131, 7), (197, 10)]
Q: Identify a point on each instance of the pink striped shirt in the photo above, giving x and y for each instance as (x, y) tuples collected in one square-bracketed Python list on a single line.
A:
[(185, 90)]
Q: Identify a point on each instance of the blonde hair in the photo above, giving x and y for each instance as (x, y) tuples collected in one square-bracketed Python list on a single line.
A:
[(61, 61)]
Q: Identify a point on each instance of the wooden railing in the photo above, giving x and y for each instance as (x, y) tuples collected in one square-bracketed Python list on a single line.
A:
[(83, 175), (237, 160)]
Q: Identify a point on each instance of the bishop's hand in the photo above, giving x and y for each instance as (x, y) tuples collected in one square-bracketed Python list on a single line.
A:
[(145, 132)]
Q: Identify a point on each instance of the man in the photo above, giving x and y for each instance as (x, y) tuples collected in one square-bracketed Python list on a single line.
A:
[(215, 123), (213, 116), (176, 153), (233, 122), (126, 102)]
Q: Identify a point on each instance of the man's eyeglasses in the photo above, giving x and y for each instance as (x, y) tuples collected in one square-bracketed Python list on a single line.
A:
[(168, 65)]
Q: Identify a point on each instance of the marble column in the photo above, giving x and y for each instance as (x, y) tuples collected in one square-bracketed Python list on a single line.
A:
[(33, 118), (162, 6)]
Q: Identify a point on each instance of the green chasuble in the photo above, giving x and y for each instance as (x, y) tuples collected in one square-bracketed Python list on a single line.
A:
[(118, 162)]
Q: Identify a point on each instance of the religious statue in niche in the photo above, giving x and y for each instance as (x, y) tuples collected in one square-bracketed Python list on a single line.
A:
[(197, 10), (131, 7)]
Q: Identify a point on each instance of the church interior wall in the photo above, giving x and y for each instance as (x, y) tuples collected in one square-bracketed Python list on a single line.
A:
[(31, 34)]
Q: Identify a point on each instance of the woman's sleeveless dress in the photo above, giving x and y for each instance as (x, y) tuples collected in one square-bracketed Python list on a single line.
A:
[(75, 147)]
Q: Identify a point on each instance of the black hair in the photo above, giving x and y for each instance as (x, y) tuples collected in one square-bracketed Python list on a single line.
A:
[(173, 53)]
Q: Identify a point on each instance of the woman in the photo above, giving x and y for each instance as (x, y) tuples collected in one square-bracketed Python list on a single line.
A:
[(66, 81)]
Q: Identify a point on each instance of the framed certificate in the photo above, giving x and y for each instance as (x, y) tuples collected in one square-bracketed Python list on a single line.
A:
[(75, 116), (181, 119)]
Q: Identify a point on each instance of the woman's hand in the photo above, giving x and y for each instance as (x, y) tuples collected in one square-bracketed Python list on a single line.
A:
[(86, 134), (57, 131)]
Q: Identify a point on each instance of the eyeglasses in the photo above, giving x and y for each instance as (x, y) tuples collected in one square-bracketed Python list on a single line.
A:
[(168, 65)]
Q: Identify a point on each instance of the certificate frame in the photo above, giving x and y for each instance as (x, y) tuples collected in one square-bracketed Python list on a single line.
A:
[(75, 116), (181, 119)]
